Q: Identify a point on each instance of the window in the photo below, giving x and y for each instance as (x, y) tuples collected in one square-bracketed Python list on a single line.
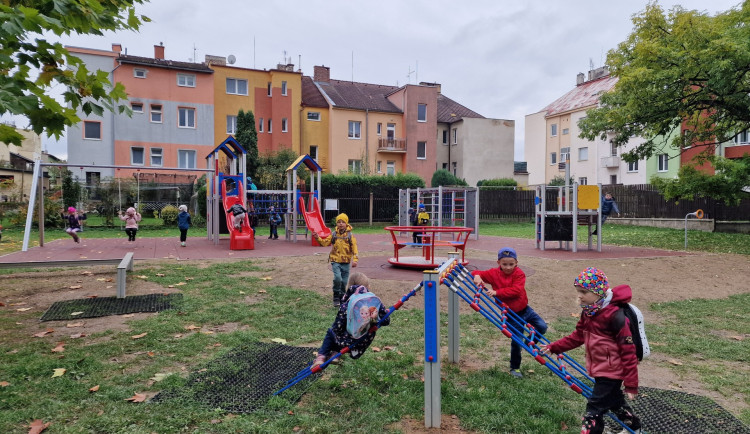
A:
[(156, 113), (139, 73), (564, 154), (313, 152), (390, 168), (270, 125), (355, 129), (269, 88), (283, 88), (136, 156), (93, 178), (186, 117), (553, 158), (186, 159), (633, 167), (355, 166), (583, 180), (421, 150), (231, 124), (553, 130), (455, 168), (583, 154), (186, 80), (379, 166), (235, 86), (380, 129), (421, 112), (663, 162), (741, 137), (445, 137), (565, 131), (92, 130), (455, 136), (613, 149), (260, 125), (313, 116), (283, 125), (137, 107), (156, 157), (445, 166), (613, 179), (390, 131)]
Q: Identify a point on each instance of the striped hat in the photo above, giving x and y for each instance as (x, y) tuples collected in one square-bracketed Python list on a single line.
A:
[(593, 280)]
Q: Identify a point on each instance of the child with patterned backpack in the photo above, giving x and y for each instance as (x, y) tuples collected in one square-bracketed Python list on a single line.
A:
[(610, 351), (343, 255)]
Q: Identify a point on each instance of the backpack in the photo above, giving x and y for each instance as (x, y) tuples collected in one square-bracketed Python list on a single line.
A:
[(358, 313), (637, 328)]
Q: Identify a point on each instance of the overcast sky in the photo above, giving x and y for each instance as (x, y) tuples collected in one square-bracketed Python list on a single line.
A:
[(503, 59)]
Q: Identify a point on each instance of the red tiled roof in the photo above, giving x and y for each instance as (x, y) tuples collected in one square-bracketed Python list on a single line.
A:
[(164, 63), (583, 95), (311, 96), (359, 96), (449, 111)]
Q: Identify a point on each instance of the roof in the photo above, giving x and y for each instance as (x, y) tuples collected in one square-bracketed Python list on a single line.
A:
[(311, 96), (449, 111), (359, 96), (164, 63), (582, 96), (308, 161)]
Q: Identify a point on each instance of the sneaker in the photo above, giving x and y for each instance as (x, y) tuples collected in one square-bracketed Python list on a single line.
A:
[(319, 361), (270, 238), (516, 373), (336, 301), (182, 244)]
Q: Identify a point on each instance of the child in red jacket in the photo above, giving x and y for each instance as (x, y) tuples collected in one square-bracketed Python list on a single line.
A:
[(610, 352), (509, 285)]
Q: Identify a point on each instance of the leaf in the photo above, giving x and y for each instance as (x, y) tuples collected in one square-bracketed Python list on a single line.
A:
[(376, 349), (737, 338), (23, 309), (178, 335), (74, 324), (158, 377), (279, 340), (4, 384), (142, 277), (575, 314), (38, 426), (78, 335), (76, 313), (129, 315), (180, 283), (675, 362), (151, 354), (160, 274), (262, 291), (44, 333), (94, 389), (58, 372), (75, 287), (188, 278), (138, 397), (101, 279), (192, 327), (59, 348), (266, 278), (139, 336)]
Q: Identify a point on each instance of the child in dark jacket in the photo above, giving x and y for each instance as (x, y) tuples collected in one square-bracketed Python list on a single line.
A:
[(183, 223), (349, 331), (275, 220), (239, 212), (74, 224), (610, 352)]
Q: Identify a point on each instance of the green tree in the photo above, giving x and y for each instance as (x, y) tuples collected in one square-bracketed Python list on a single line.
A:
[(683, 71), (444, 178), (272, 169), (560, 180), (30, 66), (728, 183), (71, 190), (247, 137)]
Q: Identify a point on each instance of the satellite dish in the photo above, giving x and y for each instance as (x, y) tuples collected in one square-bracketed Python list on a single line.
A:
[(231, 59)]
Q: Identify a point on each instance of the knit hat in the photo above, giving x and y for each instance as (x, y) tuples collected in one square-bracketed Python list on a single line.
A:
[(421, 206), (507, 252), (343, 217), (593, 280), (183, 208), (71, 210)]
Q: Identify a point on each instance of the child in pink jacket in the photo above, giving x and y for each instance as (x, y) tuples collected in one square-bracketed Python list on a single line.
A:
[(131, 219)]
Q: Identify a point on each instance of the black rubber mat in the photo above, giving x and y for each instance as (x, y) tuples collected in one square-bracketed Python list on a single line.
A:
[(244, 379), (674, 412), (104, 306)]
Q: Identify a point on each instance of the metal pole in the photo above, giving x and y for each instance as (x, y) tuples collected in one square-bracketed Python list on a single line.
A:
[(453, 319), (30, 209), (41, 207), (432, 410)]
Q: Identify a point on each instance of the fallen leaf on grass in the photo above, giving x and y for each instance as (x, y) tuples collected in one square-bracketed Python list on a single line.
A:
[(151, 354), (215, 421), (23, 309), (2, 304), (178, 335), (44, 333), (170, 286), (17, 304), (575, 314), (75, 287), (142, 277), (139, 336), (59, 348), (158, 377), (76, 313), (78, 335), (388, 348), (266, 278), (160, 274), (242, 292), (129, 315), (262, 291), (101, 279), (207, 332), (58, 372), (4, 384), (180, 284), (94, 389), (188, 278), (737, 338), (376, 349), (74, 324), (675, 362), (192, 327), (38, 426), (279, 340), (92, 296), (138, 397)]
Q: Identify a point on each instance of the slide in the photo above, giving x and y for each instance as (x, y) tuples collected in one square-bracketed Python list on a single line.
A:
[(314, 219), (244, 240)]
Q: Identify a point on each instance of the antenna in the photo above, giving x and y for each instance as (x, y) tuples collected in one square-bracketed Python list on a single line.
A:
[(231, 59), (409, 71), (591, 64), (352, 66), (194, 50)]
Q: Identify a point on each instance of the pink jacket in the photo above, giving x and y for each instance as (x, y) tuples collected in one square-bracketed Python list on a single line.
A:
[(131, 221)]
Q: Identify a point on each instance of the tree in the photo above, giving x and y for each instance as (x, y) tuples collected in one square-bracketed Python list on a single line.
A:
[(23, 53), (272, 170), (684, 71), (444, 178), (247, 137), (728, 183)]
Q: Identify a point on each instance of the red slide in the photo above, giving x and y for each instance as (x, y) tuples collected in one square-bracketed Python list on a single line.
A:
[(244, 240), (314, 219)]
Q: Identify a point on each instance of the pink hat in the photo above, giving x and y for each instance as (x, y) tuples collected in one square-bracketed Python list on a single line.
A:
[(71, 210)]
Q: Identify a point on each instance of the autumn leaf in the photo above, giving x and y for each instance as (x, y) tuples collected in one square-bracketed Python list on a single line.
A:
[(58, 372), (675, 362), (44, 333), (242, 292), (138, 397), (23, 309), (266, 278), (74, 324), (128, 315), (178, 335), (151, 354), (139, 336), (170, 286), (160, 274), (279, 340), (76, 313), (376, 349), (2, 304), (142, 277), (180, 283), (101, 279), (262, 291), (207, 332), (158, 377), (94, 389), (4, 384), (188, 278), (75, 287), (192, 327), (38, 426), (78, 335), (59, 348)]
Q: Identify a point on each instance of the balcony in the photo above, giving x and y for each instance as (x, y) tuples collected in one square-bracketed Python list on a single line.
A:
[(613, 161), (392, 145)]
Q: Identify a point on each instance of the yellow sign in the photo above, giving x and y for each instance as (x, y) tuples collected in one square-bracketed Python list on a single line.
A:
[(588, 197)]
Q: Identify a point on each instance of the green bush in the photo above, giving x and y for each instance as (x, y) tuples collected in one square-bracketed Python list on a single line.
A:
[(498, 182), (52, 217), (169, 215), (444, 178), (380, 186)]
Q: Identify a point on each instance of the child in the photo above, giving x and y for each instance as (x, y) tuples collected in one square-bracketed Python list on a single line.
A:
[(412, 215), (343, 252), (131, 219), (509, 285), (183, 223), (610, 352), (253, 217), (608, 205), (74, 224), (275, 220), (423, 219), (239, 212), (353, 332)]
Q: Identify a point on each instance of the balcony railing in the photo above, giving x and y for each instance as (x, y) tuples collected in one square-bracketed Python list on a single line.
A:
[(613, 161), (391, 145)]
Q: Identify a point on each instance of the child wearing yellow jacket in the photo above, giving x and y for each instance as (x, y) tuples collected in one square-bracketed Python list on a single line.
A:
[(343, 255)]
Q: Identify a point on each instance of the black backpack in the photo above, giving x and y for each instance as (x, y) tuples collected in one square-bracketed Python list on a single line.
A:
[(637, 328)]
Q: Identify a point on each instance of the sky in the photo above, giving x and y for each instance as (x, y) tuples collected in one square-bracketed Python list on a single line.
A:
[(503, 59)]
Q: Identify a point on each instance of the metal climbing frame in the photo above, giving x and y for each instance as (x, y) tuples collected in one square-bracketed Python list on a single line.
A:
[(447, 206)]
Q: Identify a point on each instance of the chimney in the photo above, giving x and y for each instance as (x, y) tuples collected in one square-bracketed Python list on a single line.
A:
[(580, 78), (437, 85), (117, 48), (597, 73), (322, 73), (216, 60), (159, 51)]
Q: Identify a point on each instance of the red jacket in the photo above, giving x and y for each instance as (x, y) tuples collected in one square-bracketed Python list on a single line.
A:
[(609, 353), (510, 288)]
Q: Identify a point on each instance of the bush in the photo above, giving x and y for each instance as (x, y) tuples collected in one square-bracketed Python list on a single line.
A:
[(444, 178), (169, 215), (52, 217), (498, 182)]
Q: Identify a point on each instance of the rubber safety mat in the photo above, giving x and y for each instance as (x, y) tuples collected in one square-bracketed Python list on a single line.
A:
[(105, 306), (244, 379)]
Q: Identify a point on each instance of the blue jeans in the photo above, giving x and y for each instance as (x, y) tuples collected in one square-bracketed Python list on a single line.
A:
[(529, 317), (340, 278), (329, 344)]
